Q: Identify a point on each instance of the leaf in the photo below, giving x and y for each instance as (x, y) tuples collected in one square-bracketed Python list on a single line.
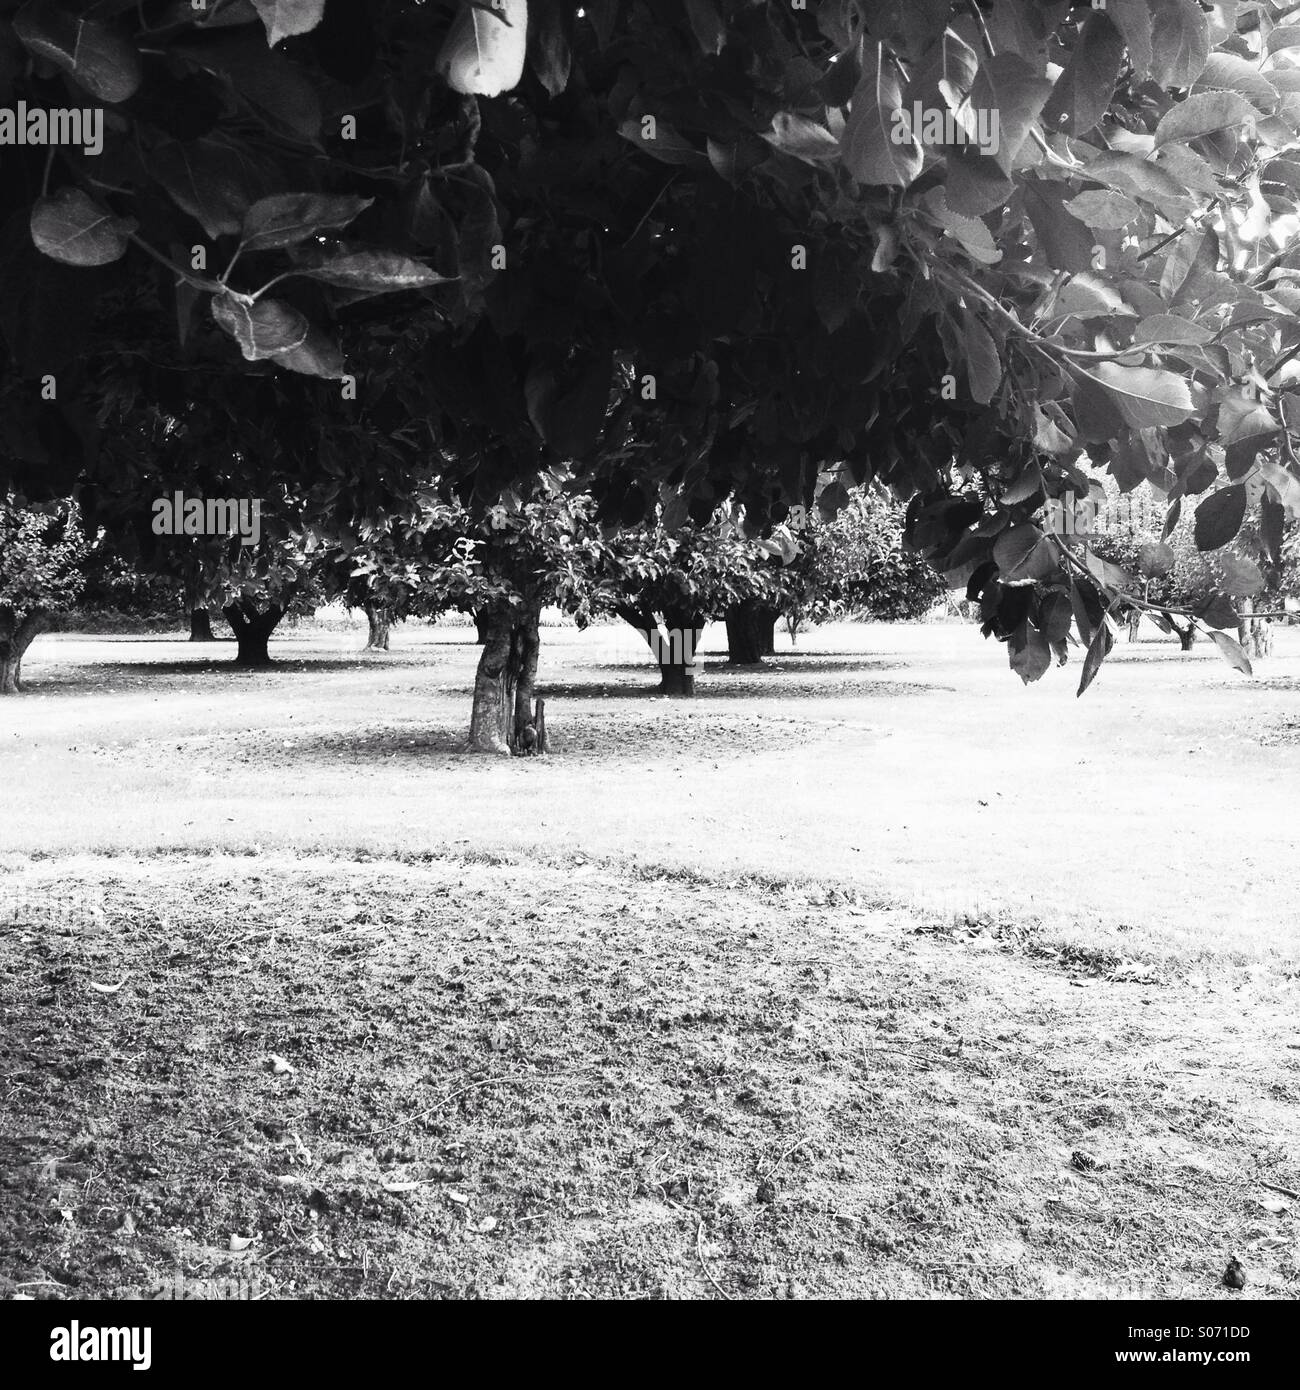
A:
[(663, 143), (804, 139), (1217, 611), (879, 147), (1008, 85), (1089, 296), (1284, 483), (1243, 417), (316, 355), (94, 55), (1023, 555), (1145, 396), (1084, 90), (1242, 577), (278, 91), (1063, 240), (1133, 20), (284, 18), (1028, 652), (286, 218), (239, 1243), (1219, 517), (262, 329), (983, 364), (1104, 209), (1169, 328), (483, 53), (207, 179), (69, 226), (1230, 650), (1098, 650), (548, 46), (1180, 42), (281, 1066), (1284, 37), (377, 271), (1205, 114), (707, 26), (109, 989)]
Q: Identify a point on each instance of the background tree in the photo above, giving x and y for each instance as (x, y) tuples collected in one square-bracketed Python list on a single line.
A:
[(41, 553), (857, 563)]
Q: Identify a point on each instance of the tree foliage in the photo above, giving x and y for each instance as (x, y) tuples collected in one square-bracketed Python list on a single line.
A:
[(698, 250)]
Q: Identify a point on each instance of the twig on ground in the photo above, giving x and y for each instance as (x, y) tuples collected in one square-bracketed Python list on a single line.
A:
[(446, 1100), (1285, 1191), (764, 1176), (699, 1251)]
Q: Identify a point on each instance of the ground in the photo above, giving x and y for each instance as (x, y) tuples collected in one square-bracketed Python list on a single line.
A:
[(869, 973)]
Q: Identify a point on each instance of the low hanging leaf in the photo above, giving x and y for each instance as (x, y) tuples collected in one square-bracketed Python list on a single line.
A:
[(983, 364), (804, 139), (879, 147), (1169, 328), (1028, 652), (1217, 611), (1206, 113), (286, 218), (1219, 517), (1230, 650), (1241, 575), (1084, 90), (483, 53), (69, 226), (284, 18), (1098, 650), (262, 329), (380, 272), (1103, 209), (96, 57), (316, 355), (1023, 555), (1145, 396)]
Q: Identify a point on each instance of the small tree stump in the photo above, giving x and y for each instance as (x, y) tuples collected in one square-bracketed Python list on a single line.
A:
[(539, 723)]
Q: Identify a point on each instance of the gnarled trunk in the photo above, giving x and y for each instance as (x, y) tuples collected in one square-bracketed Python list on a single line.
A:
[(379, 620), (673, 644), (201, 625), (482, 620), (252, 631), (15, 638), (751, 632), (502, 717), (1186, 635), (1254, 634)]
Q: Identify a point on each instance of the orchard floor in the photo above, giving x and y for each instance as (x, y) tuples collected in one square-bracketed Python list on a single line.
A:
[(867, 973)]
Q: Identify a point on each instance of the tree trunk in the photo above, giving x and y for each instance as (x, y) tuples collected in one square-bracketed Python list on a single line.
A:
[(201, 625), (792, 621), (1186, 636), (750, 632), (504, 683), (673, 644), (14, 647), (252, 631), (482, 621), (1134, 621), (379, 621), (1254, 634)]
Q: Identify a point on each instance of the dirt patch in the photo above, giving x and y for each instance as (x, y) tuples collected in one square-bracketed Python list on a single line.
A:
[(459, 1078)]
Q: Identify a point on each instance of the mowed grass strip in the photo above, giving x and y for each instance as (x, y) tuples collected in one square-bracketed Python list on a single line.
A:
[(518, 1078)]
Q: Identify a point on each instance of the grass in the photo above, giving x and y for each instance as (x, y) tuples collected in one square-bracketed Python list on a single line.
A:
[(871, 973)]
